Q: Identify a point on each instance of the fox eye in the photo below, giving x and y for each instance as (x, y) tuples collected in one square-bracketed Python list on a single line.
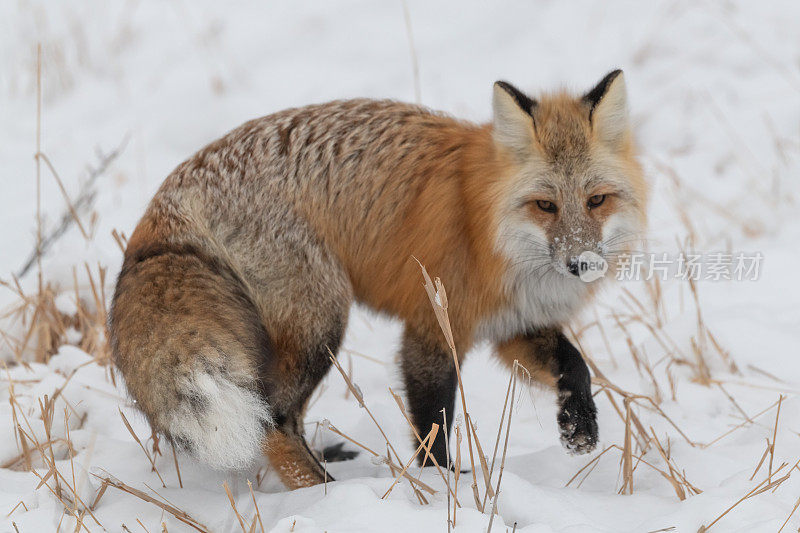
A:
[(596, 200), (547, 206)]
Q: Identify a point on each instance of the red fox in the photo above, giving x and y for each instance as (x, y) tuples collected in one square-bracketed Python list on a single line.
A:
[(239, 278)]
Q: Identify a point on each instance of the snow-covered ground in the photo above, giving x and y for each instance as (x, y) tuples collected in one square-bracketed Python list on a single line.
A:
[(715, 96)]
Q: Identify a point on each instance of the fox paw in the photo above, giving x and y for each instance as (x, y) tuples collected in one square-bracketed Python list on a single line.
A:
[(336, 452), (577, 422)]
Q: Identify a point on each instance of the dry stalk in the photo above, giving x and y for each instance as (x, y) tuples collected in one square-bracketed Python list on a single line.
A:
[(70, 452), (39, 164), (639, 460), (412, 479), (178, 468), (21, 503), (505, 446), (363, 356), (391, 466), (746, 422), (357, 394), (673, 475), (633, 397), (99, 495), (73, 213), (593, 461), (429, 438), (183, 516), (120, 238), (82, 203), (627, 452), (457, 467), (69, 503), (258, 513), (665, 417), (733, 401), (774, 436), (428, 455), (763, 486), (233, 505), (45, 323), (765, 373), (46, 408), (499, 432), (761, 461), (21, 439), (438, 299), (349, 372), (413, 53), (139, 442), (481, 457), (447, 451), (796, 505)]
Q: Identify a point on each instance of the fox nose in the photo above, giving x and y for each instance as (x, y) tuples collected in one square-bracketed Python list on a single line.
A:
[(573, 265)]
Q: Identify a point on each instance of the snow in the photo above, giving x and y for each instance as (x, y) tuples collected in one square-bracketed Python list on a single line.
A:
[(713, 88)]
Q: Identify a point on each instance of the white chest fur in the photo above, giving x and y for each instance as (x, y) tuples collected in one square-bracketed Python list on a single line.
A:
[(537, 299)]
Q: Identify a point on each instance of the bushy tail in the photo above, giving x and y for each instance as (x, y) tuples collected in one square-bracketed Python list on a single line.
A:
[(220, 422), (190, 344)]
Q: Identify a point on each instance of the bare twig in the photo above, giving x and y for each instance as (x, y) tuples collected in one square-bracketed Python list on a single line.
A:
[(438, 299), (174, 511), (412, 479), (258, 513), (505, 447), (413, 53), (82, 203), (429, 438), (233, 505), (139, 442)]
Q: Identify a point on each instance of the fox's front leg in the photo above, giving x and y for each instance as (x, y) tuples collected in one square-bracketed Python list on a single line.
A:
[(552, 359)]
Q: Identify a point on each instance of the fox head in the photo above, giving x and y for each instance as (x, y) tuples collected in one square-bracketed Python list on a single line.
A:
[(573, 185)]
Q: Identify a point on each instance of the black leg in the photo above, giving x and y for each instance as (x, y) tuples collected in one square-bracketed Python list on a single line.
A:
[(552, 360), (577, 417), (430, 380)]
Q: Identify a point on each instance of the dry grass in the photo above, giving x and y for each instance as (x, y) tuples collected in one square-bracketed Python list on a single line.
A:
[(496, 495), (438, 299), (356, 392), (37, 326), (675, 476), (428, 456), (183, 516), (39, 455), (46, 328), (40, 327)]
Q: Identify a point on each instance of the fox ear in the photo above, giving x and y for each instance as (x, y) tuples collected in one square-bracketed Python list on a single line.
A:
[(608, 108), (513, 117)]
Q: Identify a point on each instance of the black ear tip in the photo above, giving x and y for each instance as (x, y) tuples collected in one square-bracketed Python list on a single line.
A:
[(608, 78), (503, 84), (525, 102), (594, 96)]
